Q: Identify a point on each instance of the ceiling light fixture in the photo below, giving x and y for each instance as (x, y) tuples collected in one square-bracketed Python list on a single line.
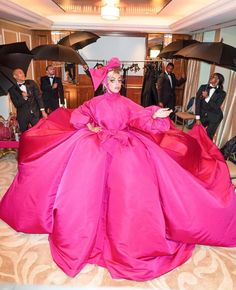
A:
[(110, 11), (154, 53)]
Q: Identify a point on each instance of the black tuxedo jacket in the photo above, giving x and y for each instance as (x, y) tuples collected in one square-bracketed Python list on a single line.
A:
[(27, 111), (51, 96), (30, 106), (211, 110), (166, 93)]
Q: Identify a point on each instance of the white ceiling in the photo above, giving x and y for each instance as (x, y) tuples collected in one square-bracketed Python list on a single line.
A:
[(179, 16)]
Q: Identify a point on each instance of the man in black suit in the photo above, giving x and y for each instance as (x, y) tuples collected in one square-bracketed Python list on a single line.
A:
[(26, 97), (52, 90), (166, 84), (209, 99)]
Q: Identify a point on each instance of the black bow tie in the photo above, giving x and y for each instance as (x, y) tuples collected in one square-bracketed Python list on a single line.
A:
[(212, 88), (51, 77), (23, 84)]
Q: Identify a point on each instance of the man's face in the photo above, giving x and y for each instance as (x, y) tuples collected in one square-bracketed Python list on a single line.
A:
[(19, 75), (214, 80), (51, 71), (169, 69)]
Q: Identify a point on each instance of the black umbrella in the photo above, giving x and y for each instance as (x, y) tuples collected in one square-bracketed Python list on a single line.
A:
[(6, 79), (16, 60), (79, 39), (16, 47), (15, 55), (217, 53), (170, 50), (57, 52)]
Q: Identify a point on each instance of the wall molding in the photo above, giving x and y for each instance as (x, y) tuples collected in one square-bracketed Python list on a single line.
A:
[(21, 15), (217, 9)]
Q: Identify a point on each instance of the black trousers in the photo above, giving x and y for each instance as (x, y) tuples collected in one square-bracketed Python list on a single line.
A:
[(211, 127), (25, 120), (171, 105), (50, 104)]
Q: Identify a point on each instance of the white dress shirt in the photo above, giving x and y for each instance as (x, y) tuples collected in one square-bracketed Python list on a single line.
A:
[(170, 79), (22, 87), (51, 79), (211, 92)]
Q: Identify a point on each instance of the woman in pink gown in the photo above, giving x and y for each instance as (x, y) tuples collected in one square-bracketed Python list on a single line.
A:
[(117, 185)]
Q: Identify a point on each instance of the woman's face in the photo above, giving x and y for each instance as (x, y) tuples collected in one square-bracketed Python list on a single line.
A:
[(114, 82)]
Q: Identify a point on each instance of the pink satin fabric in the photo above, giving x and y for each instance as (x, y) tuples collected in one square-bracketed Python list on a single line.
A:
[(134, 198), (98, 75), (9, 144)]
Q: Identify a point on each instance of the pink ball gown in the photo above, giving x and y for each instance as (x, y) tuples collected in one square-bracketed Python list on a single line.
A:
[(134, 198)]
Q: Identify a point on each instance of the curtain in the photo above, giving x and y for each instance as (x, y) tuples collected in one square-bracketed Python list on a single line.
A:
[(227, 128), (191, 85), (193, 71)]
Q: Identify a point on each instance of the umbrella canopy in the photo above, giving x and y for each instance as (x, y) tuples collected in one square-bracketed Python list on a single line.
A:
[(79, 39), (6, 79), (15, 55), (217, 53), (16, 47), (16, 60), (170, 50), (57, 52)]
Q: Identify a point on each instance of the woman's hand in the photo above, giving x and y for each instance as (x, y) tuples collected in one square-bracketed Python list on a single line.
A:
[(93, 129), (162, 113)]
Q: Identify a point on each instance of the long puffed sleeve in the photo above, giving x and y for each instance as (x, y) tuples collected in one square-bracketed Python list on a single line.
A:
[(81, 116), (143, 120)]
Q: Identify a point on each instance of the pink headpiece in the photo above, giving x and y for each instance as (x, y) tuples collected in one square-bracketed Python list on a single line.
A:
[(98, 75)]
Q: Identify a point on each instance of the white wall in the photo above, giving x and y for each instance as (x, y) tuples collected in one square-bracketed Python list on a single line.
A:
[(229, 35), (4, 106), (130, 49), (4, 109)]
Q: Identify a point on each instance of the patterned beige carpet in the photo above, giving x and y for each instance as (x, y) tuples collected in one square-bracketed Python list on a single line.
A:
[(25, 259)]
